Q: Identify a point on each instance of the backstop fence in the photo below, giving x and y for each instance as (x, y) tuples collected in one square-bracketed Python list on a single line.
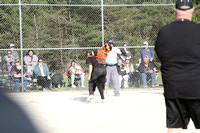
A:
[(59, 31)]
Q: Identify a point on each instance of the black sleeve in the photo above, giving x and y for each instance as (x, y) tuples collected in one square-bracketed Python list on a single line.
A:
[(89, 61)]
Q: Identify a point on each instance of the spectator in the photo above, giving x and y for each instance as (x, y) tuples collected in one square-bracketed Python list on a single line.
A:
[(16, 74), (14, 52), (41, 72), (76, 72), (125, 72), (30, 61), (146, 51), (177, 46), (122, 74), (126, 54), (9, 61), (130, 70), (147, 68), (112, 73)]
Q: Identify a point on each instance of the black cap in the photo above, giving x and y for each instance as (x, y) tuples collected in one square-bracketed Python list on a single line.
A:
[(184, 4), (110, 42)]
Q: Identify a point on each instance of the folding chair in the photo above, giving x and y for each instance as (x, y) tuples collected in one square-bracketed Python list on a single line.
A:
[(68, 73)]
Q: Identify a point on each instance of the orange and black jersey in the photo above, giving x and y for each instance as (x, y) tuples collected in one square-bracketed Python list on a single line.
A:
[(101, 55), (94, 61)]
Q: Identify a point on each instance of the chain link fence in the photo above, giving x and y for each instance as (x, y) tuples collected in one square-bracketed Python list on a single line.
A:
[(59, 31)]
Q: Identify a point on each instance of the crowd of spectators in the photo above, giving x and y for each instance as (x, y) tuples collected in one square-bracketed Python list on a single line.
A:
[(145, 71), (32, 69), (120, 70)]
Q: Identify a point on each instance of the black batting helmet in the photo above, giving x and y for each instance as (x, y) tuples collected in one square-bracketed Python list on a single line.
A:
[(107, 47)]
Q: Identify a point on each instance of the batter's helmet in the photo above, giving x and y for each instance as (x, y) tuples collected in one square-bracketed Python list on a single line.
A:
[(107, 47)]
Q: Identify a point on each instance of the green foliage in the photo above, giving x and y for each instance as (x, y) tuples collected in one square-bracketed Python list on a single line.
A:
[(196, 15), (81, 26)]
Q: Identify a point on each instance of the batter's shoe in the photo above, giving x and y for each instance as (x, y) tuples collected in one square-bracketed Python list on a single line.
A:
[(90, 98), (102, 101)]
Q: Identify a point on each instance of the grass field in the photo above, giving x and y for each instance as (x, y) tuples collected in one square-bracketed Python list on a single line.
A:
[(65, 79)]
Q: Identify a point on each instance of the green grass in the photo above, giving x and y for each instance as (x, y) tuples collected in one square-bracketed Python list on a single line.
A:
[(159, 79), (65, 79)]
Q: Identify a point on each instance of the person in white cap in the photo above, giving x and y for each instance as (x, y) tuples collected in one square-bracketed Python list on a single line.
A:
[(177, 46), (146, 51), (14, 52)]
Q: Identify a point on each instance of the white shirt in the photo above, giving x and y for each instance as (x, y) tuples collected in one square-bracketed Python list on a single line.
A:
[(42, 71)]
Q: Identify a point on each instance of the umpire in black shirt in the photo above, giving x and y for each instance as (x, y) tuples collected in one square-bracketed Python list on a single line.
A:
[(178, 48)]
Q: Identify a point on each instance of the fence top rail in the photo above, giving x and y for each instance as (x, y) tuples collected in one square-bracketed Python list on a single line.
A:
[(78, 5), (74, 48)]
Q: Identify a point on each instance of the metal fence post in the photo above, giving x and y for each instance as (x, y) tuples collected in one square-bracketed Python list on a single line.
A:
[(20, 23), (102, 22)]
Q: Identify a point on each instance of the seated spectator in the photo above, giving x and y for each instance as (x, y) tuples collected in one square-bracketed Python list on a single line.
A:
[(30, 61), (147, 68), (41, 72), (125, 72), (76, 72), (14, 52), (126, 54), (8, 61), (122, 74), (16, 74), (130, 70)]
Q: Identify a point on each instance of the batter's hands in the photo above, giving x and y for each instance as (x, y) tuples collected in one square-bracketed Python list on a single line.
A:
[(88, 78)]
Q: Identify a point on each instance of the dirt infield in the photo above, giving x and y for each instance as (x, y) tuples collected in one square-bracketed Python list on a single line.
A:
[(135, 111)]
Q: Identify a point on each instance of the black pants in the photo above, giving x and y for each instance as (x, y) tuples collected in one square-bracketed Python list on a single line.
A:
[(98, 78), (179, 112), (43, 81)]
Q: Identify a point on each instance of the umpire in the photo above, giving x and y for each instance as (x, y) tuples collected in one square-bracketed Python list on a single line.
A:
[(111, 67), (178, 48)]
